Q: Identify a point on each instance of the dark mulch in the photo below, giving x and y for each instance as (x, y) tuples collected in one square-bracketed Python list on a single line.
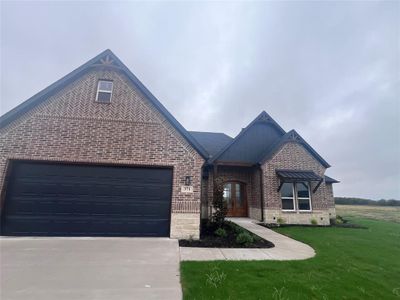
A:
[(208, 239)]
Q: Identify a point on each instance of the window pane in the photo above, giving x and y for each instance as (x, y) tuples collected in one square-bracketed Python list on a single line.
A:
[(304, 204), (105, 85), (287, 190), (104, 97), (287, 204), (228, 194), (302, 190), (239, 200)]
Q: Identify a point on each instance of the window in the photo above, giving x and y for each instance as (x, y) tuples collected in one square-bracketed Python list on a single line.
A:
[(296, 192), (303, 195), (287, 196), (104, 91)]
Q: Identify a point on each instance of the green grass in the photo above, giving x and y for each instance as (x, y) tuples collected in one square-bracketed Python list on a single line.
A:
[(388, 213), (350, 264)]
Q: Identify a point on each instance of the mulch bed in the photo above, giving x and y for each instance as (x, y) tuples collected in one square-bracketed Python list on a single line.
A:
[(208, 239)]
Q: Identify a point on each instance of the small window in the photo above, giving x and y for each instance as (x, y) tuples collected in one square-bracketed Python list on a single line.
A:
[(104, 91), (287, 196), (303, 195)]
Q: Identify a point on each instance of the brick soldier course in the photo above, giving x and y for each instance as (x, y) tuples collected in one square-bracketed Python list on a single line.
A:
[(65, 124)]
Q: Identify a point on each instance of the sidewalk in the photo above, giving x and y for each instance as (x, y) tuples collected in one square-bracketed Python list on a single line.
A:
[(285, 247)]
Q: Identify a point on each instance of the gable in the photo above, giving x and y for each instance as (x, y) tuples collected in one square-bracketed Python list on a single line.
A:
[(291, 137), (294, 156), (104, 64), (252, 141), (77, 100), (250, 145)]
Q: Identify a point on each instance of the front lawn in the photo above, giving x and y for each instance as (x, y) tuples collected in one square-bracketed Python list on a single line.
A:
[(350, 264)]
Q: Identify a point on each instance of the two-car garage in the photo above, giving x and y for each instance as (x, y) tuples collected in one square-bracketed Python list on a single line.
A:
[(49, 199)]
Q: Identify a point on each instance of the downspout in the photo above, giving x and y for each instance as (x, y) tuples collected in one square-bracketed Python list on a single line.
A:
[(262, 193)]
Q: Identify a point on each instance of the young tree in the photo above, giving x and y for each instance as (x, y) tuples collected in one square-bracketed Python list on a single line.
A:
[(219, 205)]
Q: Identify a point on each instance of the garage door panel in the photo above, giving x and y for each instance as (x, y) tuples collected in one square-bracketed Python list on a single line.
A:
[(85, 226), (51, 199)]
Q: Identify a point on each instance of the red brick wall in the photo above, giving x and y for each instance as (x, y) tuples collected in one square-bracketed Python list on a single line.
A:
[(71, 127), (292, 156), (329, 196)]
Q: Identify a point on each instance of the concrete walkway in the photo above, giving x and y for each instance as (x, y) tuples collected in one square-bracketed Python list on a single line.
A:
[(285, 247)]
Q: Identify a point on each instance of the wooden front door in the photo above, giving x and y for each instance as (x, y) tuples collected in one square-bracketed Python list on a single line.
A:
[(235, 199)]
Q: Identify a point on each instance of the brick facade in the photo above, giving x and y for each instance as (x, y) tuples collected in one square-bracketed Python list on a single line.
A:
[(71, 127), (295, 157)]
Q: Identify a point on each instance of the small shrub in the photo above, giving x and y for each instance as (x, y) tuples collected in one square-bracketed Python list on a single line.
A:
[(244, 238), (221, 232), (339, 220), (280, 221), (235, 228), (314, 221)]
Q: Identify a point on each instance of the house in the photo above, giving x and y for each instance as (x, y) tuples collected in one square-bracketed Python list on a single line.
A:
[(96, 154)]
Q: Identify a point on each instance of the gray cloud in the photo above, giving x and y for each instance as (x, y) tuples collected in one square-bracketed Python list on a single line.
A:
[(328, 69)]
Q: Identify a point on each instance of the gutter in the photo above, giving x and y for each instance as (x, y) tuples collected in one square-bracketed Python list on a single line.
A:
[(262, 193)]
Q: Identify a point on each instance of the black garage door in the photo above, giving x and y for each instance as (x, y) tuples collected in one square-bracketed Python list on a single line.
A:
[(76, 200)]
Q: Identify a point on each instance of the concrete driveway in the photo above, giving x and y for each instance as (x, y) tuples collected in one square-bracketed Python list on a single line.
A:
[(89, 268)]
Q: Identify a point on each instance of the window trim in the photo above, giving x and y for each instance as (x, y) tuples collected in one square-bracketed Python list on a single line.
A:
[(293, 199), (98, 90)]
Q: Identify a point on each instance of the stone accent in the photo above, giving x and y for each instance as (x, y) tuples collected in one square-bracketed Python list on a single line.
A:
[(71, 127), (294, 156), (272, 216), (255, 213), (185, 226)]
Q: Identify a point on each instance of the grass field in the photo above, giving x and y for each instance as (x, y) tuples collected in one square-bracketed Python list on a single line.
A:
[(388, 213), (350, 264)]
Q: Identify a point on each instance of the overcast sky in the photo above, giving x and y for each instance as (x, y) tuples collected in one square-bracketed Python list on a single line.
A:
[(330, 70)]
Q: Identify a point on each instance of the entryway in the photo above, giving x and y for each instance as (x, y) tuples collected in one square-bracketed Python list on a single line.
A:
[(236, 199)]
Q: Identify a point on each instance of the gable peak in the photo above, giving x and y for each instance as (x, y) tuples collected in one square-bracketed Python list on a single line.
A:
[(107, 59), (264, 117), (294, 136)]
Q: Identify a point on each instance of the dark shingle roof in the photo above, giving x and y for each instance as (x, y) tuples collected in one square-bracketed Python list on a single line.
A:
[(212, 142), (247, 146), (330, 180)]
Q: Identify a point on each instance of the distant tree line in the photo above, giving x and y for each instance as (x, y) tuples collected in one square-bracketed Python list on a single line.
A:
[(361, 201)]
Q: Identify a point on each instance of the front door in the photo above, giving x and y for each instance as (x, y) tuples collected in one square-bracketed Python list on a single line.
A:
[(235, 199)]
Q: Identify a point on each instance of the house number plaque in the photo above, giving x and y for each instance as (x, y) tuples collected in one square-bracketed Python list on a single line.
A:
[(187, 189)]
